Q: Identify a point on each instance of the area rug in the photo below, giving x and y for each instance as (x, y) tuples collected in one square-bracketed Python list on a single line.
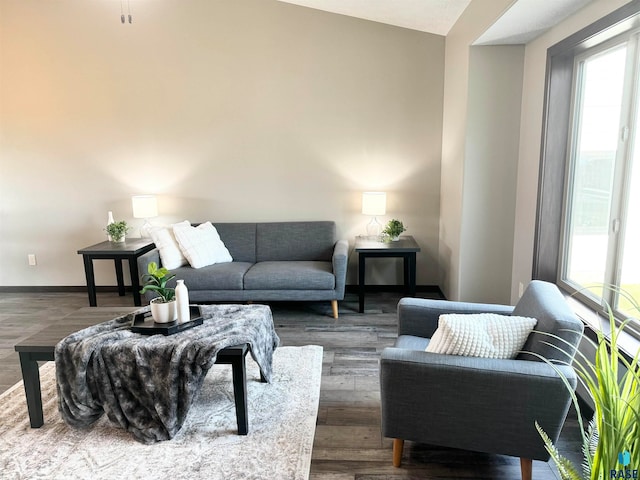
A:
[(282, 420)]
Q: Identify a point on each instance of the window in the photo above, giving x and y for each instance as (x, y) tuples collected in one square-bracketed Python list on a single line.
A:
[(588, 212), (600, 240)]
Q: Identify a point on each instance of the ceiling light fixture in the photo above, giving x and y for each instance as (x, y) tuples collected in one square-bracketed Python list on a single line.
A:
[(122, 18)]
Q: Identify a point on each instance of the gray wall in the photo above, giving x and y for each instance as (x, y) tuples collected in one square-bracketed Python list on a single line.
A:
[(490, 153), (458, 144), (244, 110), (228, 110), (490, 173)]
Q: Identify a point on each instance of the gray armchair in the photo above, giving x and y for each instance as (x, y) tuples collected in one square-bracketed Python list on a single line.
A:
[(479, 404)]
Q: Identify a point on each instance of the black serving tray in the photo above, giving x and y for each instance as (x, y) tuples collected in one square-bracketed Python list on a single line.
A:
[(143, 323)]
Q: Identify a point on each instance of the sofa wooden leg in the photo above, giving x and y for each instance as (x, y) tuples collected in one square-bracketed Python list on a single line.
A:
[(526, 468), (334, 307), (398, 445)]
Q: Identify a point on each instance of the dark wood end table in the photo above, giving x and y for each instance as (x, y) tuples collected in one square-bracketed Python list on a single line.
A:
[(406, 248), (128, 250)]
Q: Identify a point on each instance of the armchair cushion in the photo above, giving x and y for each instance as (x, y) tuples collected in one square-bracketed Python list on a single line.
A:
[(485, 335), (411, 342)]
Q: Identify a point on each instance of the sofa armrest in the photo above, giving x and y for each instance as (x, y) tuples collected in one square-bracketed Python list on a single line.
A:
[(495, 402), (419, 316), (143, 264), (339, 262)]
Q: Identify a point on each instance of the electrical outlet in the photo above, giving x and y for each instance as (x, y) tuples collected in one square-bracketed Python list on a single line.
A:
[(520, 289), (32, 259)]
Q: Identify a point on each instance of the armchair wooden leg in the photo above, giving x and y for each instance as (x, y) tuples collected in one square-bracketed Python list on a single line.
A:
[(398, 445), (334, 307), (526, 468)]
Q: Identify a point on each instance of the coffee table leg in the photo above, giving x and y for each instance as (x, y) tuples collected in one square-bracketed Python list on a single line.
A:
[(31, 380), (240, 393)]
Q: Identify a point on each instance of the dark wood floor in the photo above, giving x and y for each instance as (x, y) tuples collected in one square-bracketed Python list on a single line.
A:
[(348, 444)]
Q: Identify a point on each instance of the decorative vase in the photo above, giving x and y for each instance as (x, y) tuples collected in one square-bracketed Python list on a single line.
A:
[(163, 312), (396, 238), (110, 220), (118, 240), (182, 299)]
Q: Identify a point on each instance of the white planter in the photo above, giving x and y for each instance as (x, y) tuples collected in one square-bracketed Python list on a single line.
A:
[(163, 312)]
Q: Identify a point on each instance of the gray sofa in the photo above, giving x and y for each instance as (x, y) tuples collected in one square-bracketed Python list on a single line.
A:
[(272, 261), (480, 404)]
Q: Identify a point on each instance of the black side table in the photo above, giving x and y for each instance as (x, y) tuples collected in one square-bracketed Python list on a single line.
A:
[(128, 250), (406, 248)]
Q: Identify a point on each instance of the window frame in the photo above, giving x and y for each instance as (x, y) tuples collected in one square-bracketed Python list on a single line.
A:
[(556, 140), (627, 117)]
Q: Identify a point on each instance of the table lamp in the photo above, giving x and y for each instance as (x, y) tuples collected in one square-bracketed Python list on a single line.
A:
[(144, 206), (374, 204)]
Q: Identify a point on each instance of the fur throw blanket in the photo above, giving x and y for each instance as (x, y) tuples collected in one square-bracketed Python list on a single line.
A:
[(146, 383)]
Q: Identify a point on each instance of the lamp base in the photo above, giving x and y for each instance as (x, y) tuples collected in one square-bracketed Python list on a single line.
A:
[(145, 229), (374, 229)]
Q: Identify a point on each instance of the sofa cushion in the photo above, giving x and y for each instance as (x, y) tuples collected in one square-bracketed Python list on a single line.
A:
[(201, 245), (295, 241), (290, 276), (485, 335), (220, 276)]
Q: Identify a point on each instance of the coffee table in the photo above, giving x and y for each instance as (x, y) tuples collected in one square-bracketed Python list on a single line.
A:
[(40, 347)]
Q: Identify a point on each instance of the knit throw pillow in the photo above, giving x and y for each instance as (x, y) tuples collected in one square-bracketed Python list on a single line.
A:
[(486, 335)]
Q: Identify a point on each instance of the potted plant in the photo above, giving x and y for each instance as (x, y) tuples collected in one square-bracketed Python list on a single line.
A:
[(393, 229), (163, 307), (611, 441), (117, 231)]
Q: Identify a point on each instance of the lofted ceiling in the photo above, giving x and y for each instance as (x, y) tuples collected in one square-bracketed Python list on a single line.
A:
[(432, 16), (523, 21)]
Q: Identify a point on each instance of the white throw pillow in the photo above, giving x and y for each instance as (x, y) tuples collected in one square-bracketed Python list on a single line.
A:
[(165, 240), (486, 335), (201, 245)]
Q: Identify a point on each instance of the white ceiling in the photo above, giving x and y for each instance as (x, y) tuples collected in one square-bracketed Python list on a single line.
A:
[(521, 23), (527, 19), (432, 16)]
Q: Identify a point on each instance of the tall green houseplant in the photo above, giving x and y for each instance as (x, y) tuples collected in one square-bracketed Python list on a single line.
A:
[(611, 441)]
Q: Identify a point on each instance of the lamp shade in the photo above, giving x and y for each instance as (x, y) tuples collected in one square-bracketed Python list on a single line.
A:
[(374, 203), (144, 206)]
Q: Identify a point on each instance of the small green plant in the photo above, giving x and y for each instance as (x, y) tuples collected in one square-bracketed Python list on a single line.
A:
[(393, 228), (157, 279), (117, 230), (611, 441)]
